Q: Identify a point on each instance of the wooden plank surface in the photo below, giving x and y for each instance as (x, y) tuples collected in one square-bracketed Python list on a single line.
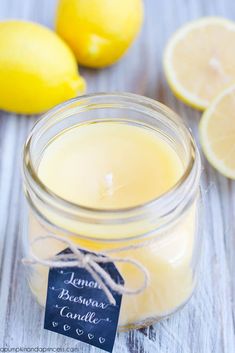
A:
[(206, 324)]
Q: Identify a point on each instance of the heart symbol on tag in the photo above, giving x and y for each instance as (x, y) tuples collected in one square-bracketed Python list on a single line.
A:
[(102, 340), (79, 332), (66, 327), (54, 324), (90, 336)]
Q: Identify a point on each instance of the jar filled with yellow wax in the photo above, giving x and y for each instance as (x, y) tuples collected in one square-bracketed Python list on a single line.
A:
[(117, 172)]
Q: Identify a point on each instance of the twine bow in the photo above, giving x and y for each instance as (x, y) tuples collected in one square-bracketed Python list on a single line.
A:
[(91, 262)]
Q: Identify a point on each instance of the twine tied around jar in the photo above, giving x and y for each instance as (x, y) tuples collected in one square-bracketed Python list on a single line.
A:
[(91, 262)]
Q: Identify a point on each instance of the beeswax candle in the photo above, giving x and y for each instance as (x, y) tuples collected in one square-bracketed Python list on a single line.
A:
[(109, 167)]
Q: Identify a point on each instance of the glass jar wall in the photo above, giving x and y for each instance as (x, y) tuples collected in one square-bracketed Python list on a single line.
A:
[(162, 233)]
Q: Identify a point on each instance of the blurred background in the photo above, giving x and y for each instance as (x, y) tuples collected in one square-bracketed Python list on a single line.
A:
[(206, 324)]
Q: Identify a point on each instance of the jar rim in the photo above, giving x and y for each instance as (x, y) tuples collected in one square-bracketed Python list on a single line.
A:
[(31, 177)]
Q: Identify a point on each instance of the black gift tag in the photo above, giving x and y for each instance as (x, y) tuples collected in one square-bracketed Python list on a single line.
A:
[(77, 307)]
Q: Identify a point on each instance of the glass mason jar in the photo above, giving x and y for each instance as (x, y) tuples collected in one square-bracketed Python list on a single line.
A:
[(165, 229)]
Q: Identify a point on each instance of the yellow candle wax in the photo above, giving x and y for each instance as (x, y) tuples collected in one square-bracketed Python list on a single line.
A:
[(109, 166)]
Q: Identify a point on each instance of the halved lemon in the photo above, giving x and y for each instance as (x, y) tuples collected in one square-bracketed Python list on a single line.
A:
[(199, 60), (217, 133)]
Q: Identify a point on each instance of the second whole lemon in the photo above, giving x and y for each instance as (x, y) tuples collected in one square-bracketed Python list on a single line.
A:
[(37, 68), (99, 31)]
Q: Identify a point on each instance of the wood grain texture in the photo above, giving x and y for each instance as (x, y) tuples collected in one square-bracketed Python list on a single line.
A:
[(206, 324)]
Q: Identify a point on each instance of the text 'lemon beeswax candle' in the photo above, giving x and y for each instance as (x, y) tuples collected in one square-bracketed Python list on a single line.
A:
[(111, 172)]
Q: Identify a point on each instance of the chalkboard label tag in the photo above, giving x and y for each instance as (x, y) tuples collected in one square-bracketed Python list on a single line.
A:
[(77, 307)]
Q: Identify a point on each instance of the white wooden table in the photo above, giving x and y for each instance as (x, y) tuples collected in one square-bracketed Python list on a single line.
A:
[(206, 324)]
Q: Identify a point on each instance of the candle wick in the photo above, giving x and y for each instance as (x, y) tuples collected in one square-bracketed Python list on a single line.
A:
[(109, 188), (109, 183)]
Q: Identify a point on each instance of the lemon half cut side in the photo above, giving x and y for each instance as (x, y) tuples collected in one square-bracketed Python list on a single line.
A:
[(217, 133), (199, 60)]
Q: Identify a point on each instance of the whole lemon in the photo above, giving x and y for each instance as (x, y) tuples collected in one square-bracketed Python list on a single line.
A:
[(99, 31), (37, 69)]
